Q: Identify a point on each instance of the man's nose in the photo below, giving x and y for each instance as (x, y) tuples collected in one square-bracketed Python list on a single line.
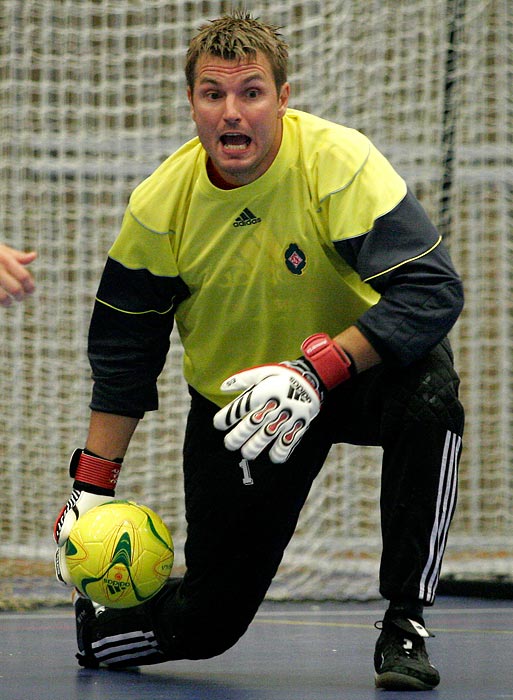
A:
[(231, 109)]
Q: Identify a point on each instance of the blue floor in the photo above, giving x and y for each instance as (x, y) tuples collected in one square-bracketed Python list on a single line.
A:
[(291, 652)]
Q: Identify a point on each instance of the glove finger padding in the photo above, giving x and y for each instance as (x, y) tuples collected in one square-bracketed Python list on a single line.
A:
[(277, 408), (61, 567), (78, 503)]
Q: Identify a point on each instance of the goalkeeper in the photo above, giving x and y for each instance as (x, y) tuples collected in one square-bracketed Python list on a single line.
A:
[(313, 297)]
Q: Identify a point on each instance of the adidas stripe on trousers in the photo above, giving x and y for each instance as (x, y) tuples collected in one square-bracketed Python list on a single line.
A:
[(241, 516)]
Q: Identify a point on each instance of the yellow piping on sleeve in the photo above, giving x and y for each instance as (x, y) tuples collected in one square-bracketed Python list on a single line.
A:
[(136, 313), (394, 267)]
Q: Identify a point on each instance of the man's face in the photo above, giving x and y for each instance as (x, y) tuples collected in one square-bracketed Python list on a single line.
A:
[(238, 115)]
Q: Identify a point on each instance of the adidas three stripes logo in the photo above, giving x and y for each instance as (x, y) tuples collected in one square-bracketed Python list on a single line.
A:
[(246, 218), (446, 503), (125, 648)]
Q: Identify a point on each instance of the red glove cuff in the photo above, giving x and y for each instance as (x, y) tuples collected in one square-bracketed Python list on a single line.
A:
[(96, 471), (331, 363)]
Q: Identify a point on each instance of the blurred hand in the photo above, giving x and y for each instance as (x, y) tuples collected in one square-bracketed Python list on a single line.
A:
[(16, 282)]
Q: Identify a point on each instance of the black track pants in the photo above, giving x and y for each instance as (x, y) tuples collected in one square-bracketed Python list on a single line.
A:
[(241, 515)]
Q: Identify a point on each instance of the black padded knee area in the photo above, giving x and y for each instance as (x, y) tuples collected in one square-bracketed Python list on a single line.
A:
[(426, 393)]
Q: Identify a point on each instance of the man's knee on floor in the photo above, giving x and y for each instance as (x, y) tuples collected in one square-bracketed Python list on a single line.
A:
[(202, 637), (119, 640)]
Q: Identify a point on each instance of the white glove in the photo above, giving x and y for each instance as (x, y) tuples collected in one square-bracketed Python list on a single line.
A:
[(78, 503), (90, 472), (278, 406)]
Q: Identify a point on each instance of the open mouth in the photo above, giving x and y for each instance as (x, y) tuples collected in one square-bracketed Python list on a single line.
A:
[(235, 142)]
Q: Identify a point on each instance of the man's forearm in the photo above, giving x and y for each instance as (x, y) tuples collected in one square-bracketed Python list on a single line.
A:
[(110, 434), (361, 351)]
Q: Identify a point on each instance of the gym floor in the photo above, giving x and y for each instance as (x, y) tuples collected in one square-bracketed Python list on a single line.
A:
[(292, 651)]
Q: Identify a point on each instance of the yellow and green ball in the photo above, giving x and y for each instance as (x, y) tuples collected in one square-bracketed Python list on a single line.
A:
[(119, 554)]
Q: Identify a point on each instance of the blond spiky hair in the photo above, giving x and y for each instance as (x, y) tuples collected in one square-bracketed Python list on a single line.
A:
[(238, 35)]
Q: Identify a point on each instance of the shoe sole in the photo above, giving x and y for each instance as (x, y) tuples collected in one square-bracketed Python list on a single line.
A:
[(399, 681)]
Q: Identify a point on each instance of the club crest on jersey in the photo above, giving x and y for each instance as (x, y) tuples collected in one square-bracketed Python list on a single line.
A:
[(295, 259)]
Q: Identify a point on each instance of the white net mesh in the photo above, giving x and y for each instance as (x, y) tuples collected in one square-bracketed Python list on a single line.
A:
[(92, 98)]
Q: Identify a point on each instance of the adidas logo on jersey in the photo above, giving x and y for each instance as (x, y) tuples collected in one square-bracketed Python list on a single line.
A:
[(246, 218)]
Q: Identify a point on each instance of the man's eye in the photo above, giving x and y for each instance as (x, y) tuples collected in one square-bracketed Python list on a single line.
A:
[(253, 93)]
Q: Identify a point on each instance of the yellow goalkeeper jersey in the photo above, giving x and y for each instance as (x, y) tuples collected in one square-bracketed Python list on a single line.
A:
[(260, 262)]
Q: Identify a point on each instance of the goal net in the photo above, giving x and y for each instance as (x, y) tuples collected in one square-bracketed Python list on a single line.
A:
[(92, 99)]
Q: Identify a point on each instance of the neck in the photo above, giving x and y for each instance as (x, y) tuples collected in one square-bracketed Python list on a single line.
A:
[(216, 179)]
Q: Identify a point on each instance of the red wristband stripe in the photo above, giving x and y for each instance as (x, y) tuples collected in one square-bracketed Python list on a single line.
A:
[(330, 362), (97, 471)]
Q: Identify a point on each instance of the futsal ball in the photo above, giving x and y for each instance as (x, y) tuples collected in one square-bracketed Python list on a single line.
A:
[(119, 554)]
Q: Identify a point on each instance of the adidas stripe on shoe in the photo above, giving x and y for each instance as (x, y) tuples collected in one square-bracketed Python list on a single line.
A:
[(128, 648), (133, 643)]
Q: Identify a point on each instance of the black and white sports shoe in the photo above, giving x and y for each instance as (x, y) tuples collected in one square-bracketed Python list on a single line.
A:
[(85, 613), (401, 660), (114, 639)]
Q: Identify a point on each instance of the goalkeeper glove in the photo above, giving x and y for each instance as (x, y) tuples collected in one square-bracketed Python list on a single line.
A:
[(94, 483), (281, 400)]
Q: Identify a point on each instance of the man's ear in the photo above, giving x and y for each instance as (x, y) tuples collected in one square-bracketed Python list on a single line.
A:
[(283, 99), (191, 105)]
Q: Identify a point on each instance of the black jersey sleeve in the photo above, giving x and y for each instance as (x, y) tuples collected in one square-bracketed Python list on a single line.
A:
[(404, 259), (129, 335)]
